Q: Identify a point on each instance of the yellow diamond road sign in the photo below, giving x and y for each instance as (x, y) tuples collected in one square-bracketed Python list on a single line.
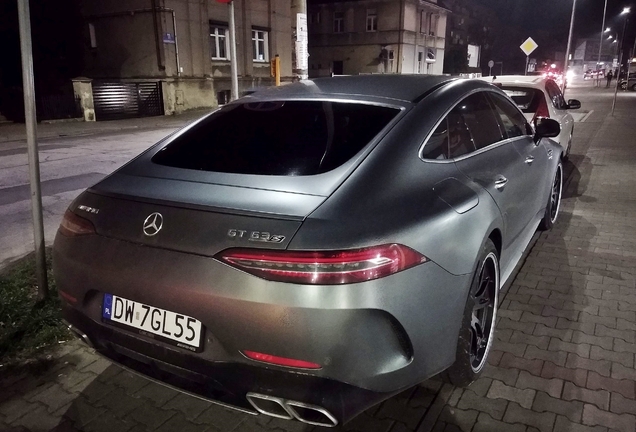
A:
[(528, 46)]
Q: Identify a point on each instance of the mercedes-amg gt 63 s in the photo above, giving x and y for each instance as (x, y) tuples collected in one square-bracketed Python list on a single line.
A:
[(307, 251)]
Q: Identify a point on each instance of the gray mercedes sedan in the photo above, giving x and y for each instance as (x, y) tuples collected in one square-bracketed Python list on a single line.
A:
[(310, 250)]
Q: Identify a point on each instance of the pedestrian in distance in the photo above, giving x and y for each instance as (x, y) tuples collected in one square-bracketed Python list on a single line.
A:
[(609, 77)]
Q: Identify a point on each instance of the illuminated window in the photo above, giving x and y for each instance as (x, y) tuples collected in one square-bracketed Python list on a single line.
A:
[(259, 45)]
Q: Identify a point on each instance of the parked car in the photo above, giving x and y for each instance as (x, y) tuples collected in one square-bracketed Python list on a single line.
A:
[(310, 250), (628, 84), (539, 97)]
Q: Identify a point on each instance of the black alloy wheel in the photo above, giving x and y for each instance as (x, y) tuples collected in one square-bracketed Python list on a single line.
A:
[(478, 324), (482, 324)]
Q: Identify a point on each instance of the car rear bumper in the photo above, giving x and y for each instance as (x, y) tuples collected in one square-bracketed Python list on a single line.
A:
[(226, 384), (371, 339)]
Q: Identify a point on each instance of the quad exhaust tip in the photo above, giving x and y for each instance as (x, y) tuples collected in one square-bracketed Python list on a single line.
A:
[(286, 409), (79, 334)]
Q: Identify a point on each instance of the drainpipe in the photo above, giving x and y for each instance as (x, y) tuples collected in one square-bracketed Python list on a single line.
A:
[(176, 42), (400, 37)]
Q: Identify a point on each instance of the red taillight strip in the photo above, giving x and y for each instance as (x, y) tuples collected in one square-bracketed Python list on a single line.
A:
[(72, 225), (280, 361), (66, 296), (324, 267)]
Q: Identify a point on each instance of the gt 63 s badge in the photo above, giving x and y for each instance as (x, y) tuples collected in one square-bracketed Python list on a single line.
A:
[(256, 236)]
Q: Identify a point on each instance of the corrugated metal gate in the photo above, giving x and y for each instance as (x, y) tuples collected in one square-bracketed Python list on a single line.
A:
[(117, 100)]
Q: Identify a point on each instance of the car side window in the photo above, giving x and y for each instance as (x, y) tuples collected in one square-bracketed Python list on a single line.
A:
[(470, 126), (554, 92), (437, 145), (480, 117), (513, 122)]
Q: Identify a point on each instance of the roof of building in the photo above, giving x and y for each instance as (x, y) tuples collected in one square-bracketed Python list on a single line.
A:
[(408, 88)]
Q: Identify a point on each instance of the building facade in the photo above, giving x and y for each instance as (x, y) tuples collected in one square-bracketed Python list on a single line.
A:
[(376, 36), (185, 45), (586, 54)]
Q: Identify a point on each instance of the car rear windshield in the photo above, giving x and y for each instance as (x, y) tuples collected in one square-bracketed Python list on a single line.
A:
[(287, 138), (526, 98)]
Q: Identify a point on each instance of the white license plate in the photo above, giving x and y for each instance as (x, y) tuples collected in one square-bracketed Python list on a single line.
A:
[(177, 329)]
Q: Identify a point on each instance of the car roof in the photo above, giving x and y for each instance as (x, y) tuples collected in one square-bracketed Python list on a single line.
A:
[(537, 81), (407, 88)]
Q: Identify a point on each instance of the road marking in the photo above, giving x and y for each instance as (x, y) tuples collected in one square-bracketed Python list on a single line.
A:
[(19, 193), (586, 116)]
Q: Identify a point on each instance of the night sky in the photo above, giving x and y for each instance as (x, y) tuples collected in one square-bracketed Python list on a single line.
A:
[(548, 21)]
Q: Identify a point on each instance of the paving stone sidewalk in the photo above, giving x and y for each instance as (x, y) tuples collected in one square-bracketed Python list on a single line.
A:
[(563, 360)]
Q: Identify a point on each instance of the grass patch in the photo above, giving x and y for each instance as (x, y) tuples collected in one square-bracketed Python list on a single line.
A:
[(27, 327)]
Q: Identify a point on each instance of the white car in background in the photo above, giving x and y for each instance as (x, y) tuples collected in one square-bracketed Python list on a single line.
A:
[(539, 96)]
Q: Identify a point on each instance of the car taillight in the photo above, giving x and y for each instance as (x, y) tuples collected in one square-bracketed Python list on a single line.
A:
[(281, 361), (542, 109), (72, 225), (323, 267)]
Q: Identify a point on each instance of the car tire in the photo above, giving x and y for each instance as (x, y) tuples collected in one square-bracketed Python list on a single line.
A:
[(634, 87), (478, 324), (554, 201)]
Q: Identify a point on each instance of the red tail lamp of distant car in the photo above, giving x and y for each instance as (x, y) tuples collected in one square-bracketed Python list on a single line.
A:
[(72, 225), (542, 109), (280, 361), (324, 267)]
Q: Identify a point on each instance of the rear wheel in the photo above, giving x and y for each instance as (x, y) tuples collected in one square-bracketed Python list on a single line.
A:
[(634, 87), (478, 325), (554, 201)]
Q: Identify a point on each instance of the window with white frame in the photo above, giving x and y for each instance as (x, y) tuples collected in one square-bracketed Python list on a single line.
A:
[(372, 20), (259, 45), (420, 61), (391, 60), (338, 22), (219, 43), (433, 20)]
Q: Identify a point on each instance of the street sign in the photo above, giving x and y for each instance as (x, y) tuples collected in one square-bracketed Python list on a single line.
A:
[(528, 46), (491, 63)]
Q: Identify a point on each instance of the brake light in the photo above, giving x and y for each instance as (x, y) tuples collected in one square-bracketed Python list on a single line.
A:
[(66, 296), (281, 361), (324, 267), (72, 225), (542, 109)]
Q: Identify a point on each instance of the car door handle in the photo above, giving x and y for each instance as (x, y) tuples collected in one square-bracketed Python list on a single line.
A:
[(529, 160), (500, 183)]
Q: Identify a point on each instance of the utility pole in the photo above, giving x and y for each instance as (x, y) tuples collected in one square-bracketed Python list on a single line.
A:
[(301, 44), (620, 61), (28, 85), (567, 53), (233, 57)]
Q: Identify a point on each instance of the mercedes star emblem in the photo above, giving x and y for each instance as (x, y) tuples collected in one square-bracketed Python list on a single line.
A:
[(153, 224)]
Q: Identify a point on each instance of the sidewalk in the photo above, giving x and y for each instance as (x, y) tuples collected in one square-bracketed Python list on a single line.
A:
[(563, 360), (12, 132)]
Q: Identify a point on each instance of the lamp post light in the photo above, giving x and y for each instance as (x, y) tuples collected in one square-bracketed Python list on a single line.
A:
[(625, 12)]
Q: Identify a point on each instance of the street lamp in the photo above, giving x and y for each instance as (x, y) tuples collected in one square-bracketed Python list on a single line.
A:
[(598, 81), (625, 12)]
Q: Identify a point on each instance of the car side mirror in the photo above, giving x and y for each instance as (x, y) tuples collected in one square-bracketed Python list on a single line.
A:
[(574, 104), (546, 128)]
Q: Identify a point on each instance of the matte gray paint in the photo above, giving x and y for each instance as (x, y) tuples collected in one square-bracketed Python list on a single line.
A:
[(386, 194)]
